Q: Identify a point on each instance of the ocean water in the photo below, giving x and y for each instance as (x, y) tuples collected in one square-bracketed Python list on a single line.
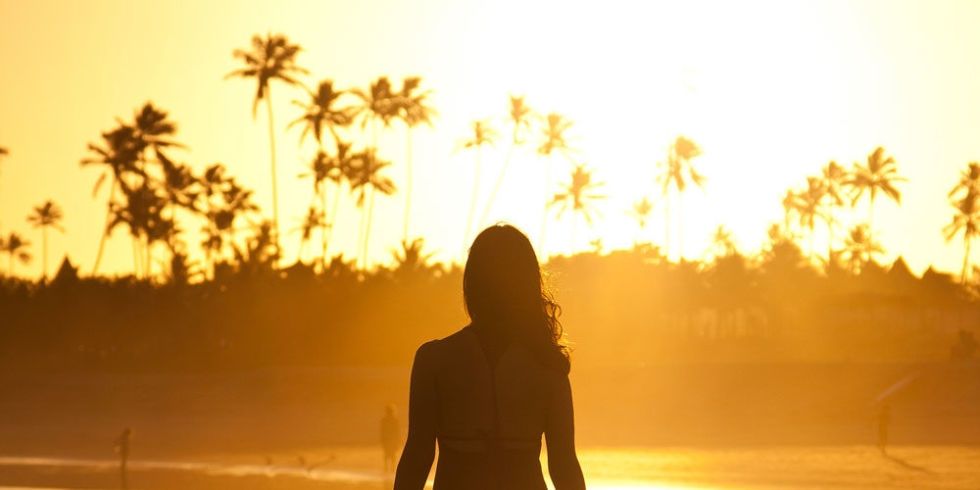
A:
[(762, 468)]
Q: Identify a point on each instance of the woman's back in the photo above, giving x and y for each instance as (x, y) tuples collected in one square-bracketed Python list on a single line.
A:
[(489, 405), (491, 413), (488, 392)]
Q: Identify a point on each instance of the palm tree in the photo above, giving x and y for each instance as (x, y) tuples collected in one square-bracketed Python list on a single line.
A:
[(967, 217), (641, 212), (969, 180), (16, 248), (519, 117), (153, 131), (411, 260), (835, 178), (880, 174), (271, 57), (119, 154), (366, 180), (47, 215), (142, 214), (340, 170), (314, 219), (482, 135), (552, 140), (677, 172), (414, 110), (860, 247), (723, 243), (322, 169), (321, 112), (809, 207), (379, 104), (224, 203), (579, 196), (791, 203)]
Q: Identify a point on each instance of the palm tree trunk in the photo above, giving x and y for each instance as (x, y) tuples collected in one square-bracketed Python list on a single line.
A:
[(473, 199), (324, 228), (871, 214), (275, 187), (336, 206), (44, 252), (408, 184), (496, 187), (830, 243), (148, 265), (966, 257), (105, 229), (367, 228)]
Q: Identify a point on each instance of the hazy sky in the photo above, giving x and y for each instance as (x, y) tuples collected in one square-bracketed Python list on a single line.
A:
[(772, 91)]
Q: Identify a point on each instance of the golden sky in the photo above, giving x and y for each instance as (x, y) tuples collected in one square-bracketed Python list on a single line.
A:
[(771, 91)]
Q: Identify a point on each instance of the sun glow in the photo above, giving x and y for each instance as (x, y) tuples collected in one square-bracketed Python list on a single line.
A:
[(770, 91)]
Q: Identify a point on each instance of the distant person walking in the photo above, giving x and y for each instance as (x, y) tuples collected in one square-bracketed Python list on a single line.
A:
[(391, 437), (488, 392), (122, 449), (884, 423)]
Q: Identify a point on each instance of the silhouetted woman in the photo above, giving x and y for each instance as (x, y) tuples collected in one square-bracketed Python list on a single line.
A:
[(488, 392)]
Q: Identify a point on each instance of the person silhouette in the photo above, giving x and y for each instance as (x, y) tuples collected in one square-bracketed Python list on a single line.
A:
[(488, 392), (884, 423), (122, 449), (391, 437)]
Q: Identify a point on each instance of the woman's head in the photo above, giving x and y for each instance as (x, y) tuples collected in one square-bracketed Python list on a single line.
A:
[(502, 288)]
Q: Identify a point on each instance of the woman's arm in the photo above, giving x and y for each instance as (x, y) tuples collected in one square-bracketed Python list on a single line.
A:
[(416, 460), (563, 464)]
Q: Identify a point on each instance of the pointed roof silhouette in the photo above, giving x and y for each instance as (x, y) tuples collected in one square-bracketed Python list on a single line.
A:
[(67, 273)]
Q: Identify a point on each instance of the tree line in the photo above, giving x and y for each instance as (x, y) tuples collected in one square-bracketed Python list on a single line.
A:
[(156, 197)]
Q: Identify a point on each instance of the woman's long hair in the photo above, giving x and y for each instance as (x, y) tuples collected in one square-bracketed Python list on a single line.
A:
[(503, 289)]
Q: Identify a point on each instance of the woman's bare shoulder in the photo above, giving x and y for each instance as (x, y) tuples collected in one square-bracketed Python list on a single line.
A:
[(434, 349)]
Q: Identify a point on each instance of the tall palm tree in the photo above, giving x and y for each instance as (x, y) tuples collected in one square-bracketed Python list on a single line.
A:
[(880, 174), (641, 211), (578, 195), (270, 58), (379, 105), (414, 110), (482, 135), (47, 215), (366, 180), (154, 131), (835, 179), (321, 112), (119, 153), (340, 170), (553, 140), (519, 117), (3, 153), (967, 217), (810, 206), (790, 203), (860, 247), (677, 173), (322, 169), (225, 202), (311, 221), (16, 248)]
